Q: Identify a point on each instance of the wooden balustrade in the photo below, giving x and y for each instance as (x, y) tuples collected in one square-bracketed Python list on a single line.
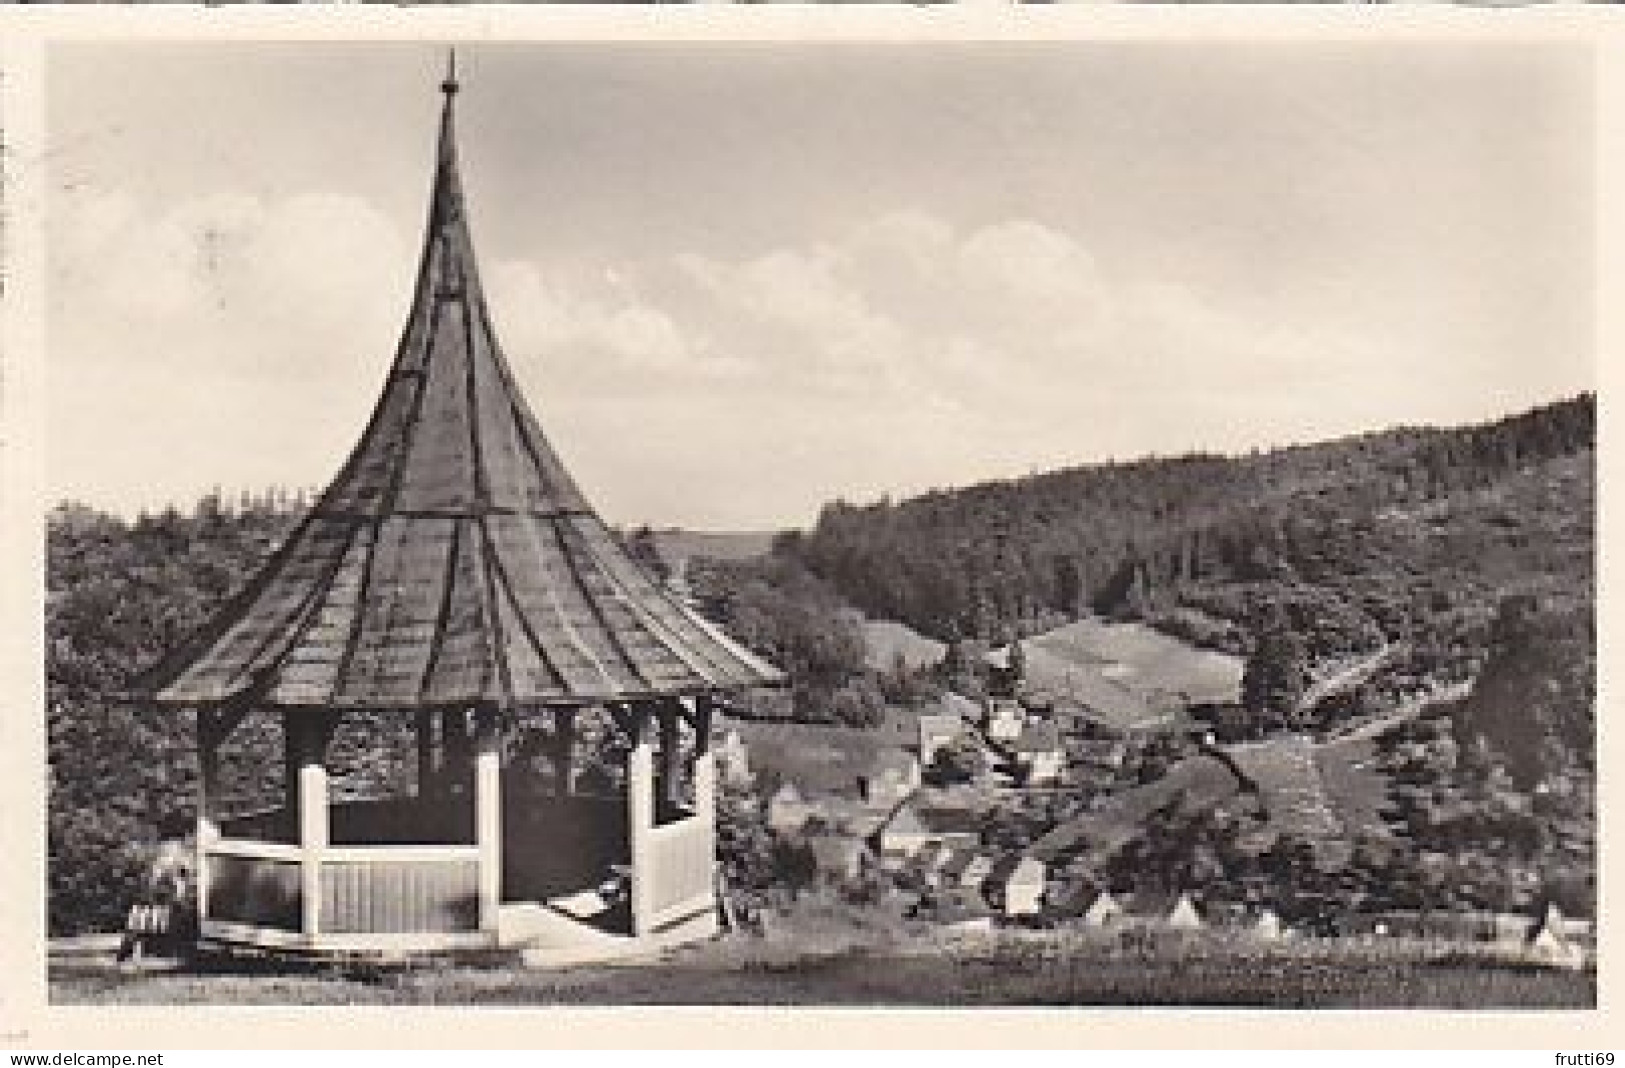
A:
[(366, 896), (680, 867)]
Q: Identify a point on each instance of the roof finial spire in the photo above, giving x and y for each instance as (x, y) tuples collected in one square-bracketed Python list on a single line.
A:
[(449, 86)]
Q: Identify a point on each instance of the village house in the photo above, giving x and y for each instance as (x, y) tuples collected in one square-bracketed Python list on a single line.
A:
[(1103, 911), (930, 863), (1005, 719), (962, 910), (912, 828), (1039, 753), (787, 810), (1016, 885), (1148, 908), (937, 731), (839, 859), (1183, 916), (967, 868), (892, 775), (733, 759), (1005, 669), (1268, 926)]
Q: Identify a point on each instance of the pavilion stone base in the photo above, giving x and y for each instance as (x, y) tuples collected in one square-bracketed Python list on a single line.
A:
[(545, 938)]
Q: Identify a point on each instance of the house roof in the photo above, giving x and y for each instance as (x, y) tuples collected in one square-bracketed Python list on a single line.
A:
[(951, 820), (960, 903), (941, 724), (453, 560), (1014, 867), (1038, 738), (1103, 905), (834, 851), (916, 819), (960, 862)]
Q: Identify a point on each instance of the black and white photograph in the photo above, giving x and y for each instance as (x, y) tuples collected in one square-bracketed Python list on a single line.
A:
[(894, 522)]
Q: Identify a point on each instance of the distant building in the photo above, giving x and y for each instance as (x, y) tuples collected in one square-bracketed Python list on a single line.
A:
[(936, 732), (1016, 885), (839, 858), (1103, 911), (931, 863), (787, 810), (1039, 753), (1267, 926), (912, 828), (733, 759), (1005, 719), (891, 776), (1556, 941), (968, 868), (962, 909), (1183, 916)]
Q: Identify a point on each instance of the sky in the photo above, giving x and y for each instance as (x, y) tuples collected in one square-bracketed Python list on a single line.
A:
[(739, 280)]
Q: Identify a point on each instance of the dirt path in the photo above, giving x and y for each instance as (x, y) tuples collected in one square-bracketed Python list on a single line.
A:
[(1456, 691)]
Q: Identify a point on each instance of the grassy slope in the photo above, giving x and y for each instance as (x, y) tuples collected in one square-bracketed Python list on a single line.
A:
[(1124, 670), (1058, 968), (885, 639)]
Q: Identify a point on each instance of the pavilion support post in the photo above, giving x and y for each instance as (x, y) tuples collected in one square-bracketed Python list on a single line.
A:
[(454, 751), (705, 760), (488, 814), (425, 738), (307, 736), (289, 825), (671, 761), (640, 803), (564, 748), (208, 791)]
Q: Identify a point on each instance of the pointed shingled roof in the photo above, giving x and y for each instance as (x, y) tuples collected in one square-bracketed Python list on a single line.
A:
[(453, 560)]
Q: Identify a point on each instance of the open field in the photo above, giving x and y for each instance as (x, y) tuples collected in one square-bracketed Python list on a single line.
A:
[(1035, 968), (1144, 661), (1127, 674), (1356, 792), (885, 640)]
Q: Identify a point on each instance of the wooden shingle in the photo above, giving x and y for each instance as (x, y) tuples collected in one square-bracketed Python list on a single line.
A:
[(453, 560)]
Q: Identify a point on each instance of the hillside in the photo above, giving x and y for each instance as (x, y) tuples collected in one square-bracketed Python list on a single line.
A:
[(1137, 538), (675, 544)]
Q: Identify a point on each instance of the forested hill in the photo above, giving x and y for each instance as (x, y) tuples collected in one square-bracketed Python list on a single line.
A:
[(1164, 536)]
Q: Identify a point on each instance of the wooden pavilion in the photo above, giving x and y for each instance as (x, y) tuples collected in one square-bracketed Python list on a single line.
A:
[(454, 581)]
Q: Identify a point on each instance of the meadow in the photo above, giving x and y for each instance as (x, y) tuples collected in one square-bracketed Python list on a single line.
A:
[(1053, 968)]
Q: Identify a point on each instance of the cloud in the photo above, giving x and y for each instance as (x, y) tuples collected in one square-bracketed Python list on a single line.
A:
[(216, 339), (902, 353), (594, 335), (300, 283)]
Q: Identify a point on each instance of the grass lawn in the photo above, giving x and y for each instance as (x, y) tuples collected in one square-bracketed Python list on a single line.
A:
[(885, 640), (1356, 790), (1143, 660), (1070, 968)]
